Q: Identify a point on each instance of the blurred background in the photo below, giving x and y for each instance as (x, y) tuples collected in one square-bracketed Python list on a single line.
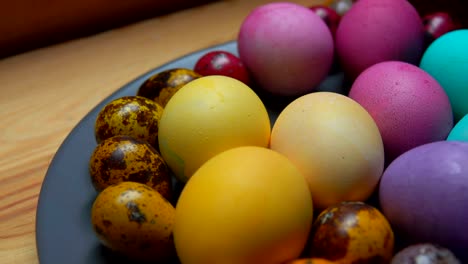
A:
[(30, 24)]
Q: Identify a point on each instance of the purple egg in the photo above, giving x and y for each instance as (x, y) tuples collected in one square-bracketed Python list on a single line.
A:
[(374, 31), (287, 48), (407, 104), (424, 195)]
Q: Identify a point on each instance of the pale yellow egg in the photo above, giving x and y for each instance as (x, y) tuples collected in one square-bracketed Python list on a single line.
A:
[(335, 143)]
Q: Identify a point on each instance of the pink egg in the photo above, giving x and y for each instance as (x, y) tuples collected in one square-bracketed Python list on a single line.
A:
[(287, 48), (408, 105), (374, 31)]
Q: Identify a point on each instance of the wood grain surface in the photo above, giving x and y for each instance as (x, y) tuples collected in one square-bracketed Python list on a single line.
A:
[(46, 92)]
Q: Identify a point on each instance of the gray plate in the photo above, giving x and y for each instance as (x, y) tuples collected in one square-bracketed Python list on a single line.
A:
[(63, 227)]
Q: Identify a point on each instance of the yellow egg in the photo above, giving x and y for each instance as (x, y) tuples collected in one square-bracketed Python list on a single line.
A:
[(245, 205), (335, 143), (209, 115)]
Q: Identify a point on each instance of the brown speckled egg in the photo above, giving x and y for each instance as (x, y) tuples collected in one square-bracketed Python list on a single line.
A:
[(161, 86), (123, 158), (351, 232), (134, 116), (136, 221)]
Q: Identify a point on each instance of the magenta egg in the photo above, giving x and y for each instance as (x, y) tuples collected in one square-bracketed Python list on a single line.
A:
[(286, 47), (424, 196), (376, 31), (408, 105)]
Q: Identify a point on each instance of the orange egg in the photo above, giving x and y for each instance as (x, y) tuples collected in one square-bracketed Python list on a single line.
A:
[(351, 232), (246, 205)]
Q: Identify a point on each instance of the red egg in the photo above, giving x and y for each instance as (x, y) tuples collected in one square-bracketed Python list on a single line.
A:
[(439, 23), (408, 105), (351, 232), (222, 63), (329, 16)]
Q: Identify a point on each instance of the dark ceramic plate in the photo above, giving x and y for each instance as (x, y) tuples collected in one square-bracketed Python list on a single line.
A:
[(63, 227)]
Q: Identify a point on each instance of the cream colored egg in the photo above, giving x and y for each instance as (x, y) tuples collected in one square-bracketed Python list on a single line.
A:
[(335, 143), (246, 205), (209, 115)]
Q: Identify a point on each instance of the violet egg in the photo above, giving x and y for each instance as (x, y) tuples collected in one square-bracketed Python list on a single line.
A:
[(287, 48), (424, 195), (376, 31), (408, 105)]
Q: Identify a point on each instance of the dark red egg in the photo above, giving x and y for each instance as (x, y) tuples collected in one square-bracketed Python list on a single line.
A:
[(222, 63), (329, 16), (439, 23)]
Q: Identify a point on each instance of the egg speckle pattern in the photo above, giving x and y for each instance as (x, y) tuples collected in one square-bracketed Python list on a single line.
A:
[(133, 116), (334, 142), (135, 221), (352, 232), (161, 86), (123, 158)]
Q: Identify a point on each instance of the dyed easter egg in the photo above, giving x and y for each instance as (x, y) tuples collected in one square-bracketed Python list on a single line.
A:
[(446, 59), (376, 31), (287, 48), (335, 143), (424, 195), (408, 105), (207, 116)]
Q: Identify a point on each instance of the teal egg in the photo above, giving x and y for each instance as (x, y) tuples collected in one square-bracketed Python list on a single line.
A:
[(446, 59), (460, 131)]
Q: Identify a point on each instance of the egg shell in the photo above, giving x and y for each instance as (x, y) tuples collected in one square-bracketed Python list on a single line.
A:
[(426, 253), (245, 205), (123, 158), (424, 195), (351, 232), (408, 105), (376, 31), (135, 221), (207, 116), (460, 130), (287, 48), (134, 116), (161, 86), (334, 142), (446, 59)]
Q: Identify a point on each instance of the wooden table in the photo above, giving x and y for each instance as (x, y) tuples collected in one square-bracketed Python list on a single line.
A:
[(45, 93)]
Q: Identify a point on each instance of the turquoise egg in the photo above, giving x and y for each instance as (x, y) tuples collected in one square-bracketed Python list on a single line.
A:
[(446, 59), (460, 131)]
